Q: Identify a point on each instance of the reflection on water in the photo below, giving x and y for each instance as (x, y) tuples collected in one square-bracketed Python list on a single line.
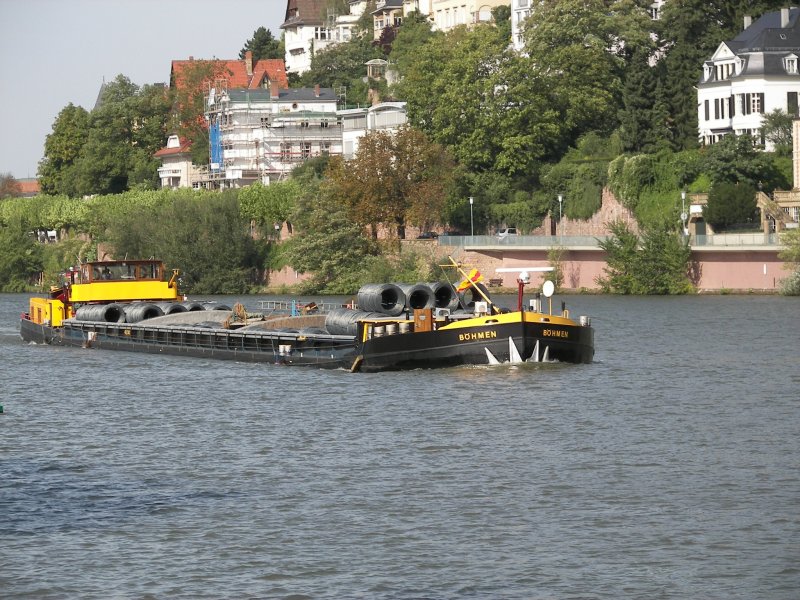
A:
[(667, 468)]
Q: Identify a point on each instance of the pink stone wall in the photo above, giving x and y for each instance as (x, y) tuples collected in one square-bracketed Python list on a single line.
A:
[(739, 270)]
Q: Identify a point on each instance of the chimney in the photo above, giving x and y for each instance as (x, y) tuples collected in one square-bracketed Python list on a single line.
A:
[(273, 90), (784, 18), (748, 20), (248, 63), (316, 91)]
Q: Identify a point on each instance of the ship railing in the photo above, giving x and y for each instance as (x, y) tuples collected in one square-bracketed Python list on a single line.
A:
[(295, 307), (201, 337)]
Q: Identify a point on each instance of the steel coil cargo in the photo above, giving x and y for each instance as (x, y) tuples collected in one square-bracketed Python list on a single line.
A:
[(386, 298), (193, 306), (344, 321), (444, 295), (107, 313), (141, 311), (418, 295), (216, 306), (470, 296), (171, 308)]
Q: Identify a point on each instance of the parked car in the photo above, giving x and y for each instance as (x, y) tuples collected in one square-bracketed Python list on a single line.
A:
[(505, 232), (428, 235)]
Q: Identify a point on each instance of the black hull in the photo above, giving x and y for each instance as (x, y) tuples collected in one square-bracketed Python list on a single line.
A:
[(325, 352), (468, 346), (417, 350)]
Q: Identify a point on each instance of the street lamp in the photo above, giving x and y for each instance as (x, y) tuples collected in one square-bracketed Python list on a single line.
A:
[(683, 213), (560, 233), (471, 225)]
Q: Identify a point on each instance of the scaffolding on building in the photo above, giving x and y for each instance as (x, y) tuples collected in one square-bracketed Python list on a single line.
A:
[(253, 136)]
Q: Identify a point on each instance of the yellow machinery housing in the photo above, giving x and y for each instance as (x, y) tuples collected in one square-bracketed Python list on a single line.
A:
[(48, 311)]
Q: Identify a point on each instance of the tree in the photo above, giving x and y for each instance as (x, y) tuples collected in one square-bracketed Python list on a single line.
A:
[(202, 234), (777, 128), (638, 114), (342, 65), (658, 263), (62, 149), (583, 47), (263, 45), (466, 91), (20, 258), (269, 205), (9, 187), (395, 180), (730, 205), (790, 254), (328, 244), (188, 87), (735, 159)]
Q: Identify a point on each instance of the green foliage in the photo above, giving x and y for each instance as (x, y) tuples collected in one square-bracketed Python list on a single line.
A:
[(268, 205), (263, 45), (555, 258), (57, 258), (790, 286), (777, 128), (202, 234), (394, 179), (734, 159), (62, 148), (731, 205), (658, 263), (20, 258), (111, 149), (328, 245), (342, 65), (790, 254)]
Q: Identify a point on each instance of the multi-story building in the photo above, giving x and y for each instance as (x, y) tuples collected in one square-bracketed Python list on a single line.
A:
[(261, 135), (357, 122), (447, 14), (176, 168), (309, 26), (750, 76), (306, 31)]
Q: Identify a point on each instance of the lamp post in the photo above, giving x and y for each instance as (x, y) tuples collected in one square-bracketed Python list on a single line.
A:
[(471, 224), (560, 233), (683, 213)]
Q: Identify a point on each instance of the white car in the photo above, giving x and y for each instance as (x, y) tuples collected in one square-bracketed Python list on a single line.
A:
[(504, 233)]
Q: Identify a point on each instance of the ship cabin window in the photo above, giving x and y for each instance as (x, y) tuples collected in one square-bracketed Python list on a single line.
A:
[(122, 271), (149, 271)]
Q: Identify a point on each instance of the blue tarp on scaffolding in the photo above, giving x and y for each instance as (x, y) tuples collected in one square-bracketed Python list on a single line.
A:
[(215, 142)]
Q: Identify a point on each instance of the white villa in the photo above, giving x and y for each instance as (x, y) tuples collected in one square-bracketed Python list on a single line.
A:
[(749, 76)]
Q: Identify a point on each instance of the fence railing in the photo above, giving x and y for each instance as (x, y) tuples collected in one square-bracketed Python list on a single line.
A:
[(587, 241)]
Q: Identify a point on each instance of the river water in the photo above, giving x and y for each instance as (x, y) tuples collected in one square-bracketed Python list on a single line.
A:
[(668, 468)]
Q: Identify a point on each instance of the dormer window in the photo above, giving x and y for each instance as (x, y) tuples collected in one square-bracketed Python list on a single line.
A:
[(790, 63), (724, 70)]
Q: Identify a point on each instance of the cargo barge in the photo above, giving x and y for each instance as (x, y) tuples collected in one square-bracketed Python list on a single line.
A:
[(133, 306)]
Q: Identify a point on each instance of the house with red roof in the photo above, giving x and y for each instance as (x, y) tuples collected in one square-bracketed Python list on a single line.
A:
[(28, 188), (176, 168), (239, 73)]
